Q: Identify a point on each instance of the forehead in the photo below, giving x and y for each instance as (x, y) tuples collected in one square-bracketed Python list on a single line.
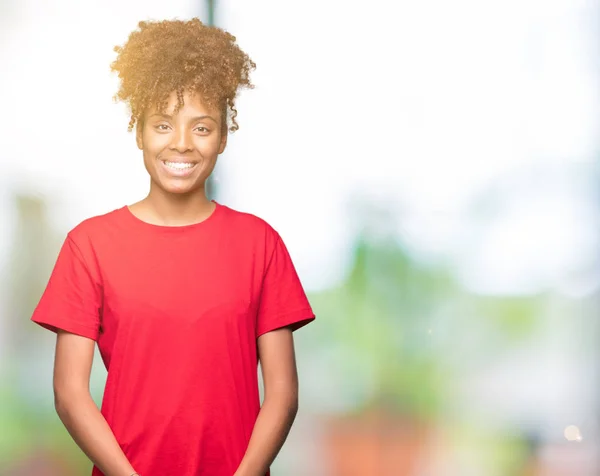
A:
[(193, 105)]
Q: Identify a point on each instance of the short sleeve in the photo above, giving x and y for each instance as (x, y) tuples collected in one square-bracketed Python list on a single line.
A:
[(283, 301), (72, 298)]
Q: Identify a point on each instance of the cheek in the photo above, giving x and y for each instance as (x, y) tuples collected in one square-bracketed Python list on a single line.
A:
[(149, 163), (210, 145), (154, 147)]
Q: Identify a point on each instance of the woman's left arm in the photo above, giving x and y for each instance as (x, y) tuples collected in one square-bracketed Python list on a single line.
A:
[(280, 405)]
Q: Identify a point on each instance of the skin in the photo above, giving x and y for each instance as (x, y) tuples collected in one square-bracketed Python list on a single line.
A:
[(78, 411), (280, 405), (196, 134)]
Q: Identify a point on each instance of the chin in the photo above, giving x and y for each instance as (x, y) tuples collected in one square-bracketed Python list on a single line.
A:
[(183, 190), (180, 186)]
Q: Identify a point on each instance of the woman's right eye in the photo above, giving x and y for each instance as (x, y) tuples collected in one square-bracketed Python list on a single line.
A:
[(162, 127)]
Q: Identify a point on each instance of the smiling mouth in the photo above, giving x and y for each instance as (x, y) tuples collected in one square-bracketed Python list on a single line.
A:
[(179, 165)]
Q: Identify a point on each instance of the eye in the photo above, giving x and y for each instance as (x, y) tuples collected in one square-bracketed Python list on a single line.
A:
[(202, 129), (161, 127)]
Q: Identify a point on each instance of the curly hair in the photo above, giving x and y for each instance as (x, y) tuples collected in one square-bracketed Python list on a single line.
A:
[(170, 56)]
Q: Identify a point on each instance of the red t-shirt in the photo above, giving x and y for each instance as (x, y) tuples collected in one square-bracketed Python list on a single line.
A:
[(176, 313)]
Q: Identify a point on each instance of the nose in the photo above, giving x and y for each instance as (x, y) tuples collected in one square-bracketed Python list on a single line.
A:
[(181, 140)]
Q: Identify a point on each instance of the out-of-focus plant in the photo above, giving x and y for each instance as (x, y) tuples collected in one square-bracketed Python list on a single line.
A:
[(388, 328), (32, 433), (381, 319)]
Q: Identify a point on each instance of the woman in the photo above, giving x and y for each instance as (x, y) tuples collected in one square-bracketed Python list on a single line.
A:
[(183, 295)]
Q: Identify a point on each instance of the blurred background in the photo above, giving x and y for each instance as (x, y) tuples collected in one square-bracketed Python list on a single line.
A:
[(432, 166)]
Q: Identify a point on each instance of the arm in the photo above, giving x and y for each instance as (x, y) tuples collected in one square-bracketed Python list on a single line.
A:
[(78, 411), (280, 405)]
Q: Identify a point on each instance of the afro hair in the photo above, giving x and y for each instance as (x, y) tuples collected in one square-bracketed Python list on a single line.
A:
[(163, 57)]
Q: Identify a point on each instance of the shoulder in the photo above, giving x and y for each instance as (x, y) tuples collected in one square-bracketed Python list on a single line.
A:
[(93, 228), (251, 225)]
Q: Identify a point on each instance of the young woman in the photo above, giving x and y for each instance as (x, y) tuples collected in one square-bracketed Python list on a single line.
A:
[(183, 295)]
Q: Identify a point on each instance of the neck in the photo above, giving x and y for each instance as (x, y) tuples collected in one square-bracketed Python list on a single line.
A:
[(170, 209)]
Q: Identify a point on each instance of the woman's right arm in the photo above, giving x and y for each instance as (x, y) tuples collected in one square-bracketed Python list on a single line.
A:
[(78, 411)]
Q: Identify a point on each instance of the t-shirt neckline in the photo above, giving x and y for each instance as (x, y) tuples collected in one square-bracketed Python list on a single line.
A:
[(171, 228)]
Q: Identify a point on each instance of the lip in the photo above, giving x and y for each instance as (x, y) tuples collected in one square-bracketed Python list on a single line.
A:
[(178, 173)]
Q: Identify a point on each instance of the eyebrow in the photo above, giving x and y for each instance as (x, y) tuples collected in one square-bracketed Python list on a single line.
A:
[(194, 119)]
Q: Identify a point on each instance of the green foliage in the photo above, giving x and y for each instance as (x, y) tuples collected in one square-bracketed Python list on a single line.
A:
[(382, 316), (516, 316), (394, 320), (15, 433), (27, 431)]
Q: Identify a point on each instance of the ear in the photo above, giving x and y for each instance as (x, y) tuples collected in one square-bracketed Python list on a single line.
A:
[(139, 135), (223, 144)]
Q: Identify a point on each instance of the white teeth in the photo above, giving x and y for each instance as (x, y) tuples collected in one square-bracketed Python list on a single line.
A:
[(179, 165)]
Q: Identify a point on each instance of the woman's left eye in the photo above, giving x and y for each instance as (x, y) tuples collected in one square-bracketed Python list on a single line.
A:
[(201, 129)]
